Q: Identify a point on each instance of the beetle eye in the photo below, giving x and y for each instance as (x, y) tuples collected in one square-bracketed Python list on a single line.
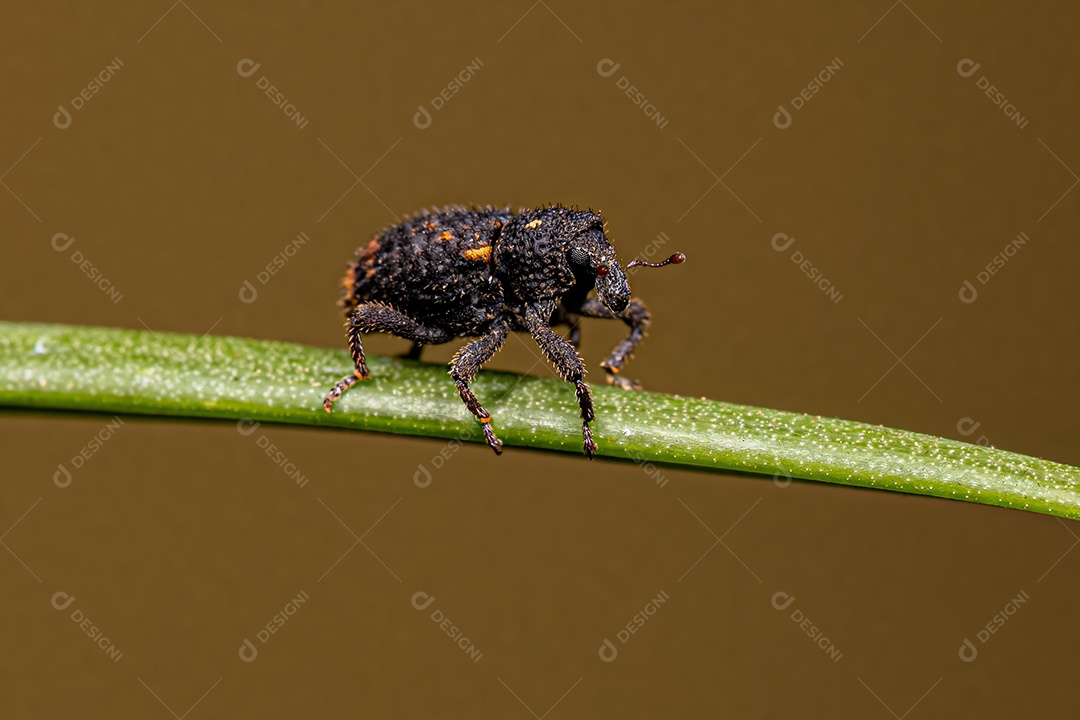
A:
[(601, 270)]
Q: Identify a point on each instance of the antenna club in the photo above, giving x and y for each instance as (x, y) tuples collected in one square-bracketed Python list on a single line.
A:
[(675, 259)]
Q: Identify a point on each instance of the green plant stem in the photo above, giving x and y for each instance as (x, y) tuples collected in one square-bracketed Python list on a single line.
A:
[(65, 367)]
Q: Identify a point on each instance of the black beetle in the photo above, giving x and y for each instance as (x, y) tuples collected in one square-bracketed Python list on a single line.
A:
[(483, 273)]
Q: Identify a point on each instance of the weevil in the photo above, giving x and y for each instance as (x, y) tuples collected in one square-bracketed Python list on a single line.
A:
[(482, 273)]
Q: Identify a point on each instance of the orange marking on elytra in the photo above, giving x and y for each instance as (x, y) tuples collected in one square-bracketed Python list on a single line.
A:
[(479, 254), (349, 280)]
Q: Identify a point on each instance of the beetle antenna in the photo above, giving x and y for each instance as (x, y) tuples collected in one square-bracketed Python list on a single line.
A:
[(673, 260)]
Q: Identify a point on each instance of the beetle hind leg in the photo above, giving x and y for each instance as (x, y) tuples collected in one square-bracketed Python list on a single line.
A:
[(376, 317)]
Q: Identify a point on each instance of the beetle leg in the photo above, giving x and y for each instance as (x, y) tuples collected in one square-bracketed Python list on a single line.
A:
[(414, 351), (463, 369), (569, 365), (375, 317), (637, 317)]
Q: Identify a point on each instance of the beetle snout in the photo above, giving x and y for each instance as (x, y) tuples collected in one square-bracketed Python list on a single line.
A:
[(614, 289), (617, 303)]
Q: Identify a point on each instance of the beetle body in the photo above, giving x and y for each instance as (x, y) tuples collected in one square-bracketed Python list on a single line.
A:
[(437, 268), (483, 273)]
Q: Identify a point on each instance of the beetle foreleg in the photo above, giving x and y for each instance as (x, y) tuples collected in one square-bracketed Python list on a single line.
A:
[(637, 317)]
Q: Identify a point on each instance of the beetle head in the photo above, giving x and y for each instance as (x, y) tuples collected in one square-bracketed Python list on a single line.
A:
[(542, 254), (591, 255)]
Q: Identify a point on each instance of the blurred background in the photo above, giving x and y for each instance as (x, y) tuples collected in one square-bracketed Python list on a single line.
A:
[(878, 202)]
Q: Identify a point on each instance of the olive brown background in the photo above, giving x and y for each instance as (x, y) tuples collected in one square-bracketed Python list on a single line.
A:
[(830, 235)]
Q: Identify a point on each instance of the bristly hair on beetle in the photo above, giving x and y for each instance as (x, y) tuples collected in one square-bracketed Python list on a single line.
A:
[(482, 273)]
